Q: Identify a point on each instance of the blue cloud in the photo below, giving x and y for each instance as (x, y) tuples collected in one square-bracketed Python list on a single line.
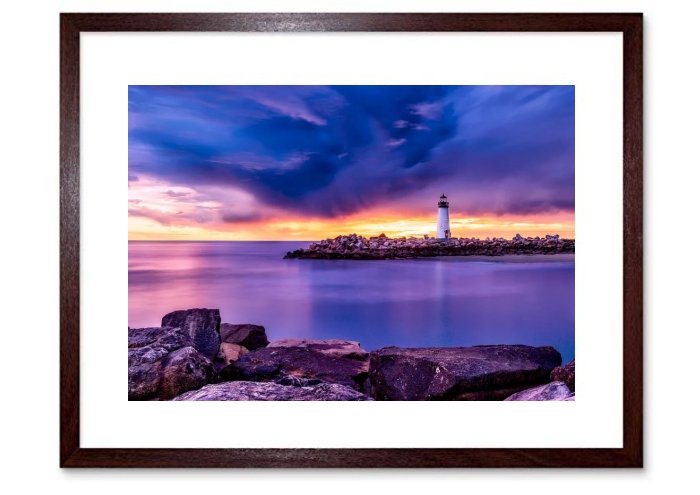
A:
[(334, 150)]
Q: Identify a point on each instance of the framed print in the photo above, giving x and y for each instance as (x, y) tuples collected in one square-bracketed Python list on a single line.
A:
[(351, 240)]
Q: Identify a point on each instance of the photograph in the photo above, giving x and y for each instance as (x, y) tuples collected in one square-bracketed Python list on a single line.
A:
[(351, 243)]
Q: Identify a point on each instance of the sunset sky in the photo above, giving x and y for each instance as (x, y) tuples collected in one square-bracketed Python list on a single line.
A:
[(310, 162)]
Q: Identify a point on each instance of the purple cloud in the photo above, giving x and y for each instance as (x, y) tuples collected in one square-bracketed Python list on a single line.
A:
[(335, 150)]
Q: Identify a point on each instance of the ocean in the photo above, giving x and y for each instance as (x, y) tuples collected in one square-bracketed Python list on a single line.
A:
[(427, 302)]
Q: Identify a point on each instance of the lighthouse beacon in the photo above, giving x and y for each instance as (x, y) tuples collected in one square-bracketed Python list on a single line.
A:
[(443, 218)]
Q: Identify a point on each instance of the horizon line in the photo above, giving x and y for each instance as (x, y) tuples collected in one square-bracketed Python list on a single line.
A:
[(317, 240)]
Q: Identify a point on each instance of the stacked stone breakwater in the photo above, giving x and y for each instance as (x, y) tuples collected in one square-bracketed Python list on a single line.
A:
[(355, 246)]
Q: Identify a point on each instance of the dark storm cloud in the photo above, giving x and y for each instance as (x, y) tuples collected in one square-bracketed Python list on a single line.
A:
[(328, 151)]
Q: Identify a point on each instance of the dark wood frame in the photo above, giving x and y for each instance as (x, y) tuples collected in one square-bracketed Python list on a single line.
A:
[(72, 455)]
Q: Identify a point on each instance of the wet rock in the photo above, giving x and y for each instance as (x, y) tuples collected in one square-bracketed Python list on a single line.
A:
[(147, 345), (349, 349), (267, 391), (497, 394), (250, 336), (140, 337), (459, 373), (271, 363), (228, 353), (251, 370), (163, 363), (202, 325), (566, 374), (184, 369), (549, 391), (294, 381)]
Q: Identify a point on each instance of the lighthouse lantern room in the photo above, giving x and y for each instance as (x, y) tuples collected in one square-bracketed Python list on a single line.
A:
[(443, 218)]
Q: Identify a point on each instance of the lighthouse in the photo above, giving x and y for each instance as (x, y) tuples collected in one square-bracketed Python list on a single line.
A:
[(443, 218)]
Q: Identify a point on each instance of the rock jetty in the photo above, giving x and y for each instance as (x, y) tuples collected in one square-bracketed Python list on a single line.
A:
[(357, 247), (204, 359)]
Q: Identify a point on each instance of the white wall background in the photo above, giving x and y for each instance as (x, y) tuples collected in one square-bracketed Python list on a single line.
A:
[(29, 261)]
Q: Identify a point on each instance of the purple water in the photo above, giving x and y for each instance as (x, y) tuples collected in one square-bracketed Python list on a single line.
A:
[(408, 303)]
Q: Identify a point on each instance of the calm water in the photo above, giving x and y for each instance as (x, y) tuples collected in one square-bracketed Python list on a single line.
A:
[(410, 303)]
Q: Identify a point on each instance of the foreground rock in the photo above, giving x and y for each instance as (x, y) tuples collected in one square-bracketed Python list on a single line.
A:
[(309, 361), (228, 353), (459, 373), (354, 246), (188, 357), (164, 363), (251, 337), (349, 349), (202, 325), (550, 391), (268, 391), (566, 374), (167, 338)]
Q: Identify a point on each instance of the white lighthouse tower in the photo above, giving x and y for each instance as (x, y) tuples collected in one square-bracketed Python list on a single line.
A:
[(443, 218)]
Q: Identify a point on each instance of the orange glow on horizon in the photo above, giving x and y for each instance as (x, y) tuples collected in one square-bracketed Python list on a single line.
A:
[(366, 224), (160, 211)]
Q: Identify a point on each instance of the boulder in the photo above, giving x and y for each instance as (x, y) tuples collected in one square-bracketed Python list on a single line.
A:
[(144, 381), (251, 337), (147, 345), (270, 363), (549, 391), (268, 391), (163, 363), (231, 352), (458, 373), (349, 349), (566, 374), (497, 394), (139, 337), (202, 325), (228, 353), (297, 382), (184, 369)]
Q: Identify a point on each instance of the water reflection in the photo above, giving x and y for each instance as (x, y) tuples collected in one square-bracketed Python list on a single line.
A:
[(426, 302)]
